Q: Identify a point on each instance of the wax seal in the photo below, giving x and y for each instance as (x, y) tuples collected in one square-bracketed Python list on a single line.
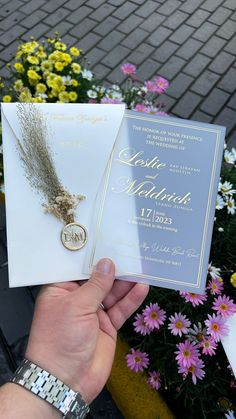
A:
[(74, 236)]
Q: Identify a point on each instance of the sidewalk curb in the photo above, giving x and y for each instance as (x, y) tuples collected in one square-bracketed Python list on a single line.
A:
[(131, 393)]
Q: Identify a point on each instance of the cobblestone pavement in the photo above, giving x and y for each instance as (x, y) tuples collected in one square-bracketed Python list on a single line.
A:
[(192, 43)]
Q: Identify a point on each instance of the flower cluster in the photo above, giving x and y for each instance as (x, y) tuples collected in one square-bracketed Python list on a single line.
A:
[(199, 325)]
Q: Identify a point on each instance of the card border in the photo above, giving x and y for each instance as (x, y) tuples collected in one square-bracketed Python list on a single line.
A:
[(217, 131)]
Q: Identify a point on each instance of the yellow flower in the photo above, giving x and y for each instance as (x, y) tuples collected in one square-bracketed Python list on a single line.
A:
[(19, 67), (41, 54), (60, 45), (18, 54), (18, 85), (74, 51), (1, 85), (63, 97), (46, 65), (32, 59), (66, 57), (73, 96), (41, 88), (74, 83), (38, 100), (33, 75), (59, 66), (76, 68), (6, 98), (25, 95), (233, 279)]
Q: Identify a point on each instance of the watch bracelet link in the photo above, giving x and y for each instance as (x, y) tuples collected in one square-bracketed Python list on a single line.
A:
[(51, 389)]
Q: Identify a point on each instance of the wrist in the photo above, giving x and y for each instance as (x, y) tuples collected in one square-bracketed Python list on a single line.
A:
[(17, 401)]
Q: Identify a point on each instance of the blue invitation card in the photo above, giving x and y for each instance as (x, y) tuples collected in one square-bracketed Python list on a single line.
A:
[(155, 209)]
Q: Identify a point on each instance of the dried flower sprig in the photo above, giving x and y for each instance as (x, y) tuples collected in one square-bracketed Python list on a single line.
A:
[(40, 171)]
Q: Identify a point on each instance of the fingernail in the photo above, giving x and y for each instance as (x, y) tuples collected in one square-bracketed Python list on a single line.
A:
[(104, 266)]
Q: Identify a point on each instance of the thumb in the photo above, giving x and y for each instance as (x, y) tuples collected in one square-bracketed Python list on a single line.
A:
[(99, 285)]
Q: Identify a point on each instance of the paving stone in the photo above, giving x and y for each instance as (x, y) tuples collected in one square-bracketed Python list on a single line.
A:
[(231, 140), (205, 31), (11, 20), (95, 55), (71, 4), (190, 6), (213, 46), (220, 16), (197, 65), (10, 35), (89, 41), (116, 76), (198, 18), (37, 31), (95, 3), (81, 30), (227, 119), (233, 16), (78, 15), (152, 22), (106, 26), (70, 40), (227, 30), (181, 34), (214, 102), (10, 7), (179, 85), (202, 117), (101, 71), (205, 83), (116, 56), (190, 47), (33, 19), (147, 9), (62, 28), (230, 4), (211, 5), (116, 2), (186, 105), (148, 69), (175, 20), (163, 53), (169, 7), (222, 62), (232, 102), (130, 23), (125, 10), (228, 82), (231, 46), (171, 68), (141, 53), (111, 40), (135, 38), (158, 36), (31, 6)]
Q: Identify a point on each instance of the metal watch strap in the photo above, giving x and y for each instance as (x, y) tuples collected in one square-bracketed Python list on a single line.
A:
[(51, 389)]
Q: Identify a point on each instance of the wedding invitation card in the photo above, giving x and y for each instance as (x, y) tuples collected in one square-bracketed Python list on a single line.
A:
[(154, 215), (55, 156)]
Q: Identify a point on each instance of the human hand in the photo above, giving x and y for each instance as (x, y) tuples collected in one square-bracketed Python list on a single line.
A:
[(72, 337)]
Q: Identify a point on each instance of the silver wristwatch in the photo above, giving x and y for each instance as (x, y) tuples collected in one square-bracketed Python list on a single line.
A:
[(51, 389)]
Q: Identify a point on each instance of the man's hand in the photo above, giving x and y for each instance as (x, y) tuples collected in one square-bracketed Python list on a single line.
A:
[(72, 337)]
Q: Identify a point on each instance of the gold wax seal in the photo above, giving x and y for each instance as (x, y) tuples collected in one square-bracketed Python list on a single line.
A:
[(74, 236)]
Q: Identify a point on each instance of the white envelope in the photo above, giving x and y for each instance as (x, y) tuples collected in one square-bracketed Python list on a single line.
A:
[(229, 342), (81, 139)]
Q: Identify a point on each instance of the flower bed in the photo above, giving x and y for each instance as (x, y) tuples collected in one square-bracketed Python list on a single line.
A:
[(175, 337)]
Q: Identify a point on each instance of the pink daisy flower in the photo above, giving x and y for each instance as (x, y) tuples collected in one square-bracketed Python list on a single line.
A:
[(140, 107), (178, 324), (224, 306), (154, 380), (137, 360), (187, 354), (128, 69), (150, 86), (216, 326), (195, 369), (140, 325), (161, 84), (208, 346), (110, 100), (215, 286), (195, 299), (154, 317)]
